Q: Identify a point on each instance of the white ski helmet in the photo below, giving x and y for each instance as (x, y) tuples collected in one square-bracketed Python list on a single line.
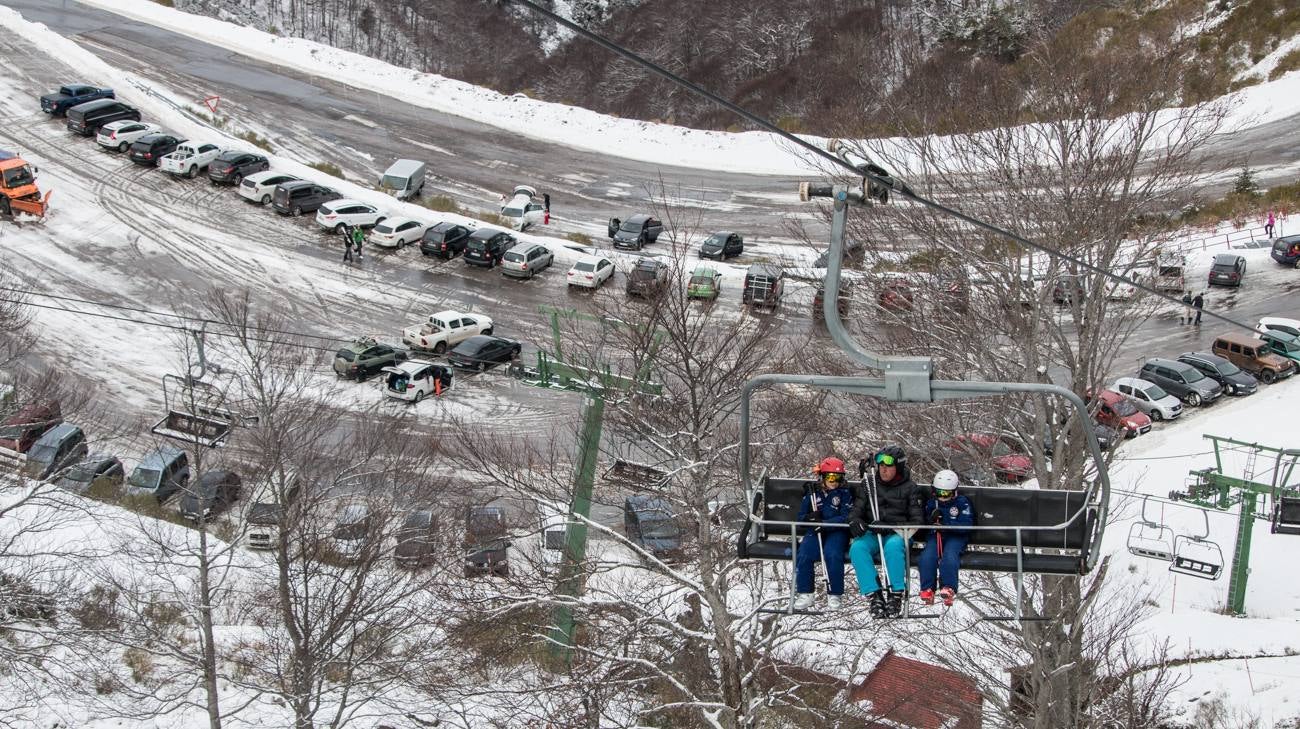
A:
[(945, 480)]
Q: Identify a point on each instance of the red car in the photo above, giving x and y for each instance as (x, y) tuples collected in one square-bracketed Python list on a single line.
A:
[(1118, 412), (895, 295), (1010, 464), (22, 429)]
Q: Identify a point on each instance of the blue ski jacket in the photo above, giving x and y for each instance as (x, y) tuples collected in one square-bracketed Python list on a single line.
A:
[(835, 505), (956, 511)]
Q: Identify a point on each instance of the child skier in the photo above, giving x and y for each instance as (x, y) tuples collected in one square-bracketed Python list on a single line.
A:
[(943, 548)]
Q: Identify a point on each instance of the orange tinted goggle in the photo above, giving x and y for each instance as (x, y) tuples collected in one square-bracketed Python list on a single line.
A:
[(833, 477)]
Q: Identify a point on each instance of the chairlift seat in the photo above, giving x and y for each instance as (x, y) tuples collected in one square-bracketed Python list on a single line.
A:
[(1197, 557), (1286, 515), (992, 550), (1151, 540)]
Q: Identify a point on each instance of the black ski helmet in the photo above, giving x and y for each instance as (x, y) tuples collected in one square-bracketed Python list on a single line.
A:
[(899, 456)]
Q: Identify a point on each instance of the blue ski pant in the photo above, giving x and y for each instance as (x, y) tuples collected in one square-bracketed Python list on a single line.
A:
[(810, 554), (864, 551), (946, 565)]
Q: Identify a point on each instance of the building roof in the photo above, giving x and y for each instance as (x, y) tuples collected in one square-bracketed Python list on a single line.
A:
[(908, 693)]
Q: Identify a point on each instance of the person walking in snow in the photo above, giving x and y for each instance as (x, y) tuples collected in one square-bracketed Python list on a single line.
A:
[(888, 498), (829, 502), (940, 560), (1186, 318), (1198, 303), (347, 245), (358, 235), (1268, 225)]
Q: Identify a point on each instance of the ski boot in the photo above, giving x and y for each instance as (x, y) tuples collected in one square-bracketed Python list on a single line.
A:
[(948, 594), (927, 597), (894, 604), (876, 605)]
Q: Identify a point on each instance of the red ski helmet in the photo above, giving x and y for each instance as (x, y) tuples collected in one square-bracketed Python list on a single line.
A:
[(830, 464)]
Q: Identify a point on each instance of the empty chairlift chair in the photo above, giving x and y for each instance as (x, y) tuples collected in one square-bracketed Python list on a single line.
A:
[(1197, 555), (1151, 539), (1286, 515)]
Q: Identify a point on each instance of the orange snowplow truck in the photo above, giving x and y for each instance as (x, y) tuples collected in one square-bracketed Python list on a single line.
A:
[(18, 190)]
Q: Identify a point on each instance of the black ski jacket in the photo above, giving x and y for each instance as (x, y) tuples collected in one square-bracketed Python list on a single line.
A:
[(899, 502)]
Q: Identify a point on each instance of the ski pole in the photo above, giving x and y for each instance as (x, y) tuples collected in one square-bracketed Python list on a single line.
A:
[(821, 548), (882, 574)]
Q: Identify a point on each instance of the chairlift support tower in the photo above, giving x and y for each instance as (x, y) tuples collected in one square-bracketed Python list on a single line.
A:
[(1213, 489)]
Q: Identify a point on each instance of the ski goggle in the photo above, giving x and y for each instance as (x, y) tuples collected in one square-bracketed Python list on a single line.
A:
[(833, 477), (945, 493), (885, 459)]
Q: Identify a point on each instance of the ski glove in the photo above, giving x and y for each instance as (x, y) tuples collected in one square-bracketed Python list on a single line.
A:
[(857, 528), (814, 515)]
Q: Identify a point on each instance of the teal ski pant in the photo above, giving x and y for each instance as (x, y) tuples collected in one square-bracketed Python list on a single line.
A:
[(863, 552)]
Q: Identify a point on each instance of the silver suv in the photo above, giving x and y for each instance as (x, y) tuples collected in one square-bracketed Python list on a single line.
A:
[(1181, 380)]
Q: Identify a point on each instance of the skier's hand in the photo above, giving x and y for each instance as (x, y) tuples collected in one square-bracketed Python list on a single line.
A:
[(815, 515), (857, 528)]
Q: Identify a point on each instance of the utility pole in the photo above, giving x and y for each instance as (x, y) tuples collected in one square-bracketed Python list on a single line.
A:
[(552, 372), (1213, 489)]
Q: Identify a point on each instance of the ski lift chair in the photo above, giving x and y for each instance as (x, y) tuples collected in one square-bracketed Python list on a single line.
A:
[(1018, 530), (1151, 539), (1286, 515), (1197, 555), (197, 411)]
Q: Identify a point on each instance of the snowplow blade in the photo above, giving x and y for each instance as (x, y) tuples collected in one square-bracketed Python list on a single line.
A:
[(32, 206)]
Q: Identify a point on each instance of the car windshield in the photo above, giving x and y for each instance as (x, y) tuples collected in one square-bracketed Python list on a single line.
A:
[(1155, 392), (1002, 449), (393, 182), (639, 273), (631, 226), (660, 530), (43, 453), (145, 478), (477, 244), (84, 473), (513, 212), (18, 176), (584, 266), (1227, 368), (715, 240), (1124, 408), (1191, 374)]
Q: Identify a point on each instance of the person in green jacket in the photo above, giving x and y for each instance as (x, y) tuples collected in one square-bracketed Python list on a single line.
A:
[(358, 235)]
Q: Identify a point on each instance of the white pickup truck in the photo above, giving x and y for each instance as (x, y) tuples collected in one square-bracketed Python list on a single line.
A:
[(445, 330), (189, 158)]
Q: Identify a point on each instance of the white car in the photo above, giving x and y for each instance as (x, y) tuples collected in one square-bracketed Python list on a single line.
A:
[(523, 209), (590, 272), (120, 134), (1149, 397), (1279, 324), (445, 330), (259, 186), (415, 379), (397, 232), (335, 214), (189, 158)]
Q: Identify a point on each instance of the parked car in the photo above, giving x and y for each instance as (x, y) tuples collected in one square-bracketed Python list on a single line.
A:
[(1181, 380), (1149, 397), (189, 158), (260, 186), (1279, 324), (636, 232), (1230, 377), (525, 208), (445, 240), (233, 165), (301, 196), (333, 215), (86, 119), (1118, 412), (1253, 356), (92, 470), (486, 247), (364, 357), (764, 286), (705, 283), (355, 529), (1286, 250), (895, 294), (1228, 269), (841, 301), (1004, 453), (648, 278), (272, 502), (487, 551), (20, 431), (445, 329), (414, 380), (589, 272), (525, 260), (1283, 345), (482, 351), (70, 95), (416, 539), (162, 472), (151, 148), (404, 178), (120, 135), (213, 493), (650, 523), (59, 447), (1107, 437), (397, 232), (722, 245)]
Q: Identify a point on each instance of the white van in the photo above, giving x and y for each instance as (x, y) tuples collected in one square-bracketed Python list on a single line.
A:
[(404, 178), (553, 519), (524, 209)]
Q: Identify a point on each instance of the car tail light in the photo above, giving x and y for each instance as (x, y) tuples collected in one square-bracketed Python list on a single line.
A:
[(331, 216), (588, 277), (113, 135), (148, 155), (410, 386)]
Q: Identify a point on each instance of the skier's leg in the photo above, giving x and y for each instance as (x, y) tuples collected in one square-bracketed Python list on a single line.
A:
[(895, 561), (950, 563), (928, 562), (834, 542), (863, 552), (803, 564)]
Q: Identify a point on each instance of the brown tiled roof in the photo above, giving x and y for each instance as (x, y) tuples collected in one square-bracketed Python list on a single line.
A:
[(907, 693)]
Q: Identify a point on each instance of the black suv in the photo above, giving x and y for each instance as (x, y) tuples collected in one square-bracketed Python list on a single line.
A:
[(722, 245), (150, 148), (648, 278), (635, 232), (301, 196), (1235, 380), (232, 167), (764, 285), (487, 551), (365, 357), (486, 247), (86, 119), (445, 240)]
